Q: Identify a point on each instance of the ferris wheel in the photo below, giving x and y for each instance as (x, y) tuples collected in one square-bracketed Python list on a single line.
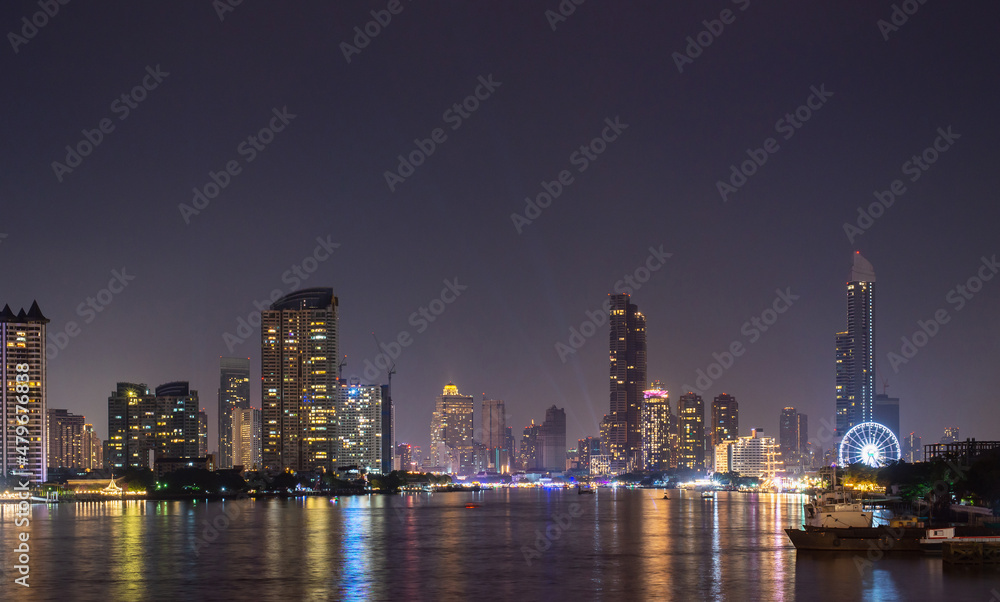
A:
[(869, 443)]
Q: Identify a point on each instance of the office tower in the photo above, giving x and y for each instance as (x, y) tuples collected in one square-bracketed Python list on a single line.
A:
[(245, 438), (587, 447), (234, 393), (404, 457), (529, 447), (725, 419), (552, 440), (91, 450), (360, 427), (802, 430), (788, 434), (912, 450), (387, 429), (691, 447), (202, 433), (299, 381), (627, 341), (165, 424), (65, 439), (887, 413), (754, 456), (451, 432), (23, 365), (656, 422), (856, 350), (950, 435), (509, 445), (495, 433)]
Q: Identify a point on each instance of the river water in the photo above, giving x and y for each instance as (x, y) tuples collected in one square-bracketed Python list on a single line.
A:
[(521, 544)]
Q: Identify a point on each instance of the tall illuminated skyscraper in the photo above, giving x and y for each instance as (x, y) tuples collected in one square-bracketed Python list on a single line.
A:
[(691, 449), (495, 435), (64, 439), (299, 385), (234, 394), (451, 432), (202, 433), (856, 350), (627, 342), (23, 366), (656, 429), (359, 417), (552, 440), (725, 419), (246, 438)]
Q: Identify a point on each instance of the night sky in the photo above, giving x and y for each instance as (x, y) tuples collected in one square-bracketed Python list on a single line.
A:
[(193, 274)]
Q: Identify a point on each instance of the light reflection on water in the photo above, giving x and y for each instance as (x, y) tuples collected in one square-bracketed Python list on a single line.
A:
[(621, 545)]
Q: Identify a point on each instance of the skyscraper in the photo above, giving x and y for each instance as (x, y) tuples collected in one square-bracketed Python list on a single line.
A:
[(887, 413), (855, 350), (65, 439), (552, 440), (803, 432), (360, 427), (627, 342), (387, 429), (165, 423), (912, 450), (202, 433), (656, 423), (587, 448), (529, 447), (495, 434), (691, 449), (245, 438), (23, 365), (788, 435), (299, 381), (725, 419), (91, 450), (451, 432), (234, 393)]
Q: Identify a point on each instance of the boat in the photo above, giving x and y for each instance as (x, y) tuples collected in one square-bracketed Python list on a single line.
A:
[(934, 539), (584, 490), (666, 497), (707, 495)]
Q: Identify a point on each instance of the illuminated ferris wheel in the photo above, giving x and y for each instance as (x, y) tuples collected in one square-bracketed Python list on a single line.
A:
[(869, 443)]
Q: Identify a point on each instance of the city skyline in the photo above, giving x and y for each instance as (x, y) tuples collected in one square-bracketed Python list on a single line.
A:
[(317, 200)]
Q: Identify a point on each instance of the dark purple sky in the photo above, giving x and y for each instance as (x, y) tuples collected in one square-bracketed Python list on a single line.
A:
[(654, 185)]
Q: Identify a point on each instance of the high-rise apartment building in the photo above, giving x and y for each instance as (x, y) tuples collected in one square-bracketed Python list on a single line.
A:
[(24, 402), (656, 429), (552, 440), (725, 419), (404, 457), (788, 434), (93, 453), (165, 423), (360, 427), (202, 433), (452, 431), (245, 438), (753, 456), (691, 447), (855, 348), (234, 394), (887, 413), (950, 435), (912, 450), (387, 429), (64, 439), (529, 447), (627, 342), (495, 435), (299, 381), (586, 448)]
